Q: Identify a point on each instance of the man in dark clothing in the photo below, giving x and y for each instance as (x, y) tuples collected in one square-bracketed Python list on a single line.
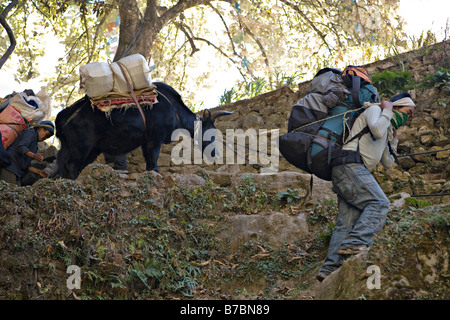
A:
[(49, 164), (23, 150), (4, 159)]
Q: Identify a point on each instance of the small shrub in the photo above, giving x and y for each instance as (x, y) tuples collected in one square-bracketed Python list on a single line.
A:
[(439, 79), (417, 203), (389, 82), (289, 196)]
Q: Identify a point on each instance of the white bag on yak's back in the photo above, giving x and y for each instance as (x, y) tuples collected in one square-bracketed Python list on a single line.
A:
[(120, 84), (136, 69), (96, 79), (101, 78)]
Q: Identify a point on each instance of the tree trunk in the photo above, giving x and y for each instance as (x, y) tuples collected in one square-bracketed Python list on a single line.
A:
[(131, 31), (138, 32)]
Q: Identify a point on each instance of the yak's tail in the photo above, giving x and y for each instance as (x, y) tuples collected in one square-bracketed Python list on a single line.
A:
[(62, 157)]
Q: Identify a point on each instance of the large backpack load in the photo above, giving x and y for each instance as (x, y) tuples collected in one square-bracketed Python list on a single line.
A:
[(12, 123), (321, 121), (30, 106), (20, 110)]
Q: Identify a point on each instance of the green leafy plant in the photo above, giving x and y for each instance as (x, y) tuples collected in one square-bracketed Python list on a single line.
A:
[(252, 196), (327, 232), (439, 79), (323, 213), (417, 203), (282, 79), (228, 96), (390, 82), (289, 196), (255, 87), (250, 90), (258, 85)]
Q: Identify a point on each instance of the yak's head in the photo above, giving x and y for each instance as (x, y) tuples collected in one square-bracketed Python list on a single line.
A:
[(208, 133)]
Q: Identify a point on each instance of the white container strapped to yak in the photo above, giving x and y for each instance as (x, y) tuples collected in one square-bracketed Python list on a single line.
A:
[(109, 85)]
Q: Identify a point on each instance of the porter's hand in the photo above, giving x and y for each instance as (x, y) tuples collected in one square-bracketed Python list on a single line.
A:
[(38, 157), (44, 174), (386, 105)]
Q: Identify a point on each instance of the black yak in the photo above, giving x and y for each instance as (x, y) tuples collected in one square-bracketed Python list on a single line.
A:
[(85, 132)]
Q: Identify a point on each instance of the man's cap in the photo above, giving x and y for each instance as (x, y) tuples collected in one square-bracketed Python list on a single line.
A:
[(403, 99), (46, 124)]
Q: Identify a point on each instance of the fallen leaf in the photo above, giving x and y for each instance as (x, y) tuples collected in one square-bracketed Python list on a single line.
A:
[(75, 296), (61, 243), (201, 264), (295, 258), (219, 262), (261, 255)]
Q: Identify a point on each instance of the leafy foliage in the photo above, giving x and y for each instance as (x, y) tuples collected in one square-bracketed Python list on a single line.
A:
[(289, 196), (259, 39), (252, 89), (390, 82), (417, 203), (248, 90), (439, 79)]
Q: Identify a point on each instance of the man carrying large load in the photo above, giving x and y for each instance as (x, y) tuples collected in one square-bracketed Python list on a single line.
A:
[(339, 132), (321, 120), (23, 150), (363, 206), (19, 111)]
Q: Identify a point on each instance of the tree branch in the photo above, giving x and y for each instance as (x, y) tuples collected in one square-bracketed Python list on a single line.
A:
[(189, 34), (130, 26), (8, 8), (221, 52), (151, 12), (5, 25), (226, 29), (181, 6), (98, 28), (305, 17), (169, 71), (255, 38)]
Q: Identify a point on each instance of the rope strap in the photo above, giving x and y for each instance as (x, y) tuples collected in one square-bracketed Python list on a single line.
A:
[(331, 117), (132, 94)]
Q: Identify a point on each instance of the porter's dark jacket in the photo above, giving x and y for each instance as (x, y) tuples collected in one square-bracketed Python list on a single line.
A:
[(26, 141)]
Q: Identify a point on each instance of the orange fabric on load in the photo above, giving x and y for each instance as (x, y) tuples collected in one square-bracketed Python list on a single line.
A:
[(11, 125), (357, 71)]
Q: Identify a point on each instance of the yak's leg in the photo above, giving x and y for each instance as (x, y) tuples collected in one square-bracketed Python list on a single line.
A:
[(91, 157), (151, 154), (73, 168), (76, 164)]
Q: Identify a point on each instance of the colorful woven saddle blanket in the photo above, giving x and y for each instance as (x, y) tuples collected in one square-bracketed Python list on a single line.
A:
[(146, 97)]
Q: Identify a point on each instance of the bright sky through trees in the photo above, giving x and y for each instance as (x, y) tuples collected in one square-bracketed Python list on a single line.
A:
[(419, 15)]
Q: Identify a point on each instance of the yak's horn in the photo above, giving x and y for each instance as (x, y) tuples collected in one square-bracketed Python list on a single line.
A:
[(220, 113)]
